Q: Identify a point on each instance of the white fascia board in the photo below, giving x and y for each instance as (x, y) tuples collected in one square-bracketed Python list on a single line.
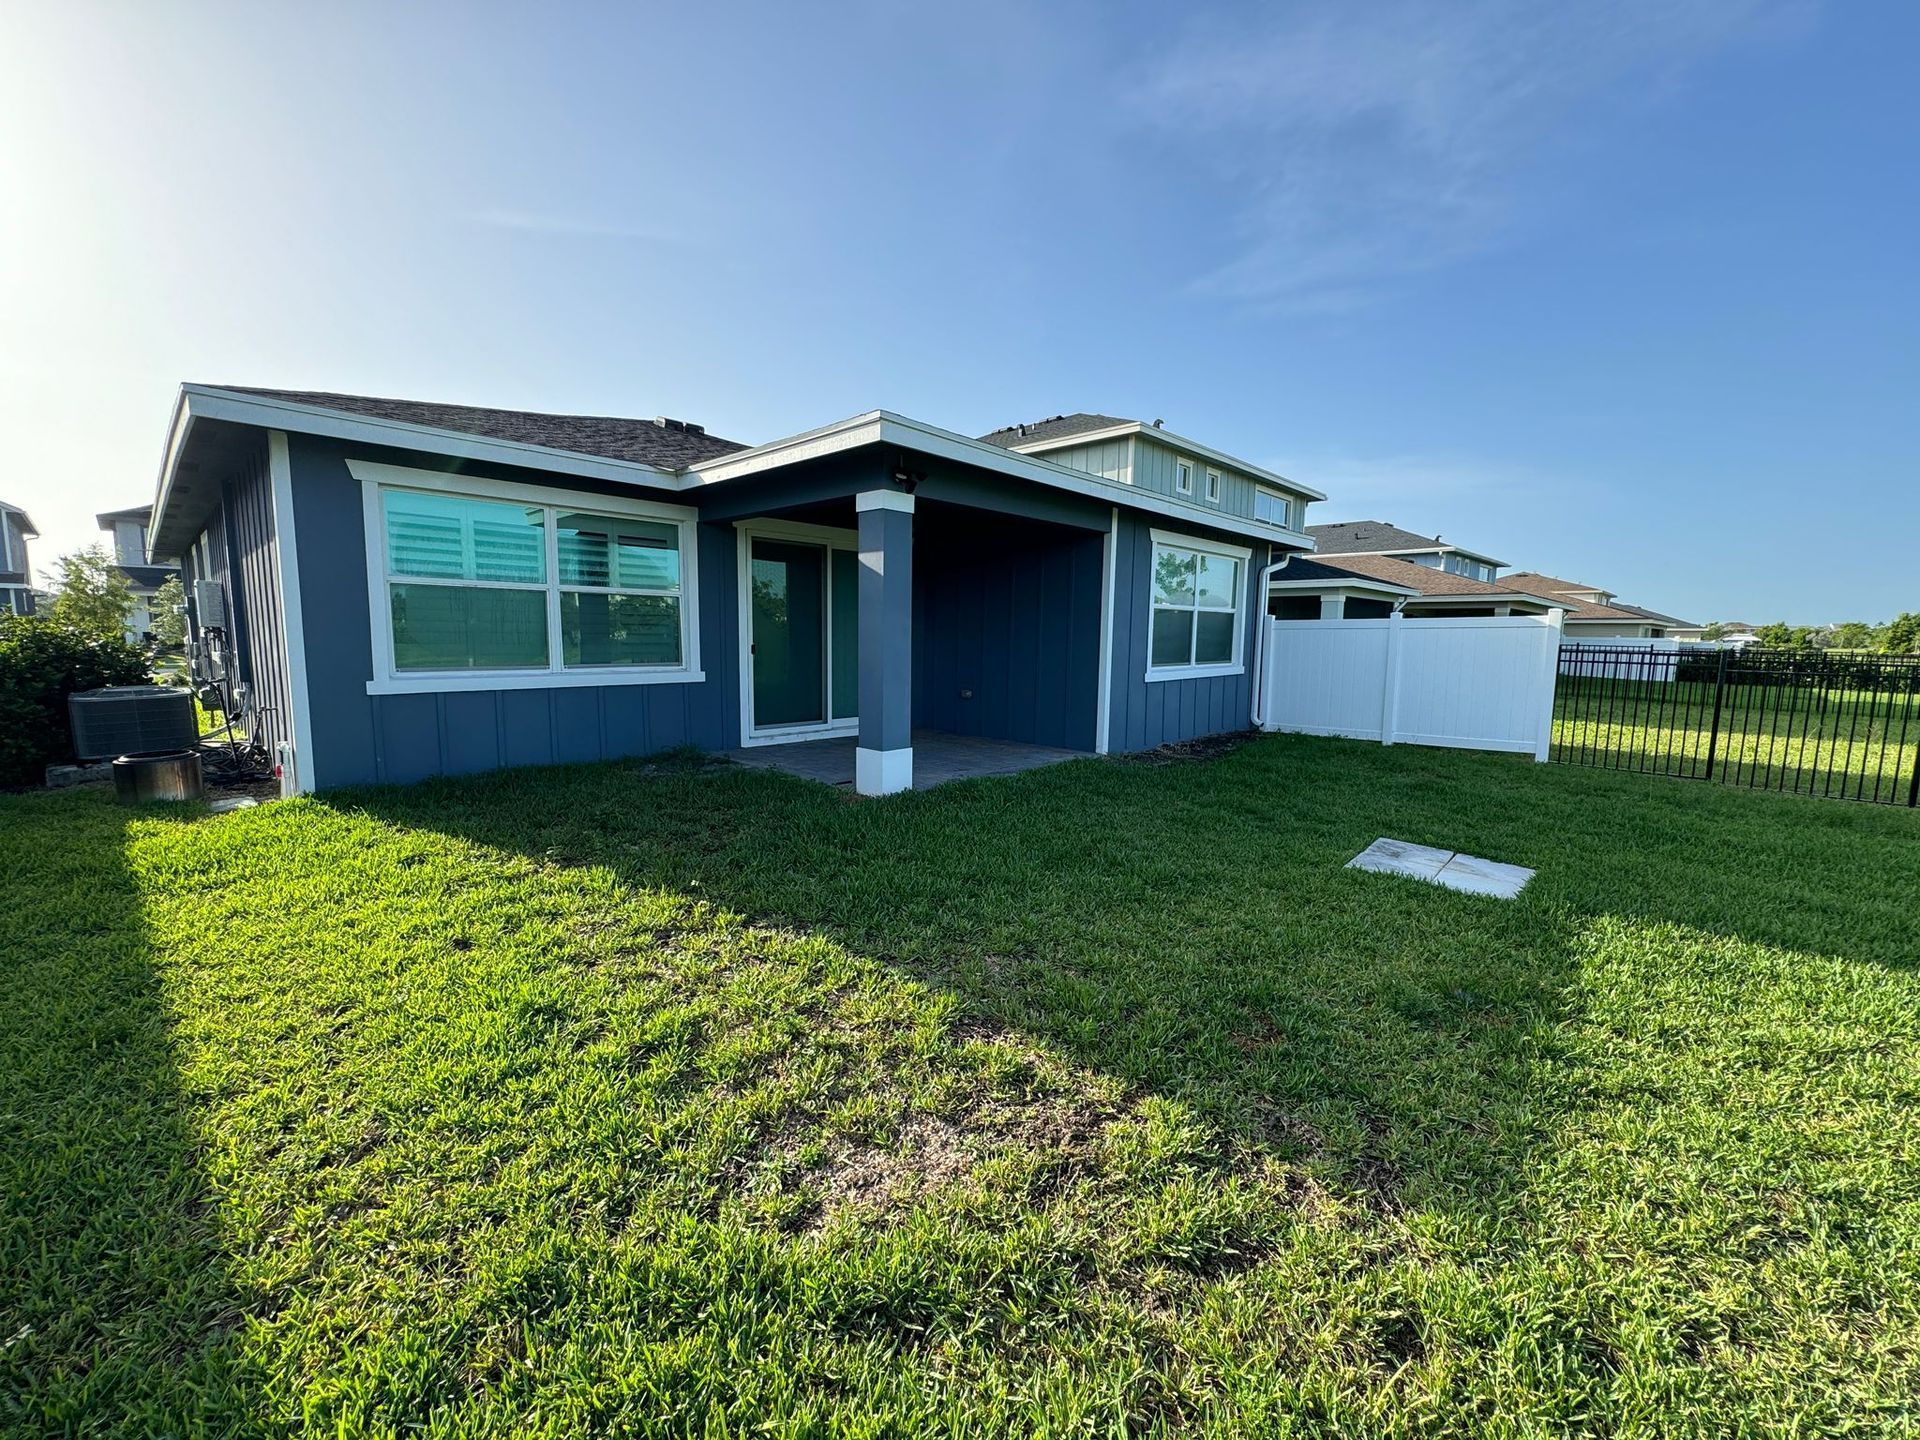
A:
[(1441, 549), (886, 428), (1354, 586), (205, 402), (1177, 442)]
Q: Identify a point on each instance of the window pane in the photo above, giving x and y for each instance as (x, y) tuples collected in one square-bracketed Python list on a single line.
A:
[(1219, 582), (619, 629), (1173, 577), (1213, 645), (618, 554), (451, 537), (1172, 637), (452, 627)]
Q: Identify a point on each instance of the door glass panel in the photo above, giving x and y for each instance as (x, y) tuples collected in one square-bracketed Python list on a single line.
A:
[(846, 634), (789, 633)]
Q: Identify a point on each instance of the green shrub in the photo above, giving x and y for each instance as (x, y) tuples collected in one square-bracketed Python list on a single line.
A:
[(41, 663)]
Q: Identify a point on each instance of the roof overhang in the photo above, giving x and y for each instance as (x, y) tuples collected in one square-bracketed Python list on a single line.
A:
[(1178, 442), (884, 427), (1530, 602), (26, 520), (1441, 548), (1354, 585), (185, 491), (200, 406)]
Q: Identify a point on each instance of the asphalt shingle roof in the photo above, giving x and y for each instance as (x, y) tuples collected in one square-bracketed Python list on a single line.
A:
[(1058, 428), (1424, 578), (1547, 587), (1350, 537), (609, 436)]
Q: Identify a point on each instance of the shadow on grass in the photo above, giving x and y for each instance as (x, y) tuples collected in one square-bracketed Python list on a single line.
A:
[(1172, 926), (115, 1311), (1189, 928)]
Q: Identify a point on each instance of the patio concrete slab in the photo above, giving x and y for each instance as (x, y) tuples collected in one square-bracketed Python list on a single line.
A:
[(937, 758), (1469, 874)]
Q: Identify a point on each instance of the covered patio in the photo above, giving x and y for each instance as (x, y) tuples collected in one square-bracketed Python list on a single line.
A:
[(937, 758)]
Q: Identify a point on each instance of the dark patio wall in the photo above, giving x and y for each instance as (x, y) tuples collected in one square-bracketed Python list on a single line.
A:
[(1006, 634)]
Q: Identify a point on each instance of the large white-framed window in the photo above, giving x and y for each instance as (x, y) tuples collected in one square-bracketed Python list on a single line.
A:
[(1197, 608), (1183, 476), (479, 584), (1273, 508)]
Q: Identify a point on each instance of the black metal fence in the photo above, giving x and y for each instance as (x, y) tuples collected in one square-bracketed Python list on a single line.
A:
[(1834, 724)]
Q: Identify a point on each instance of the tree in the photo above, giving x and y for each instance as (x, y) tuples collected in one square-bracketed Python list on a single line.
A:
[(1781, 634), (1853, 635), (91, 595), (1716, 631), (1901, 635), (168, 609)]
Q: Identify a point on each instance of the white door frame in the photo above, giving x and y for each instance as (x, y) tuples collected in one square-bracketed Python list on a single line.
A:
[(830, 539)]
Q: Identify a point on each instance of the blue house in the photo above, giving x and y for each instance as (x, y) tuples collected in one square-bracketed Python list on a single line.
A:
[(16, 570), (394, 589)]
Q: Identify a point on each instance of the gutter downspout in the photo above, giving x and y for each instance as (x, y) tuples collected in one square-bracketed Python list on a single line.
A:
[(1260, 643)]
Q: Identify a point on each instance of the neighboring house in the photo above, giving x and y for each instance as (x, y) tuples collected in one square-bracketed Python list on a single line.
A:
[(1376, 537), (129, 531), (1734, 634), (1359, 587), (411, 589), (1593, 613), (16, 570)]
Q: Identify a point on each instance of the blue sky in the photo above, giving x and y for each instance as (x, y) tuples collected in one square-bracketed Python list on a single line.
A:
[(1626, 293)]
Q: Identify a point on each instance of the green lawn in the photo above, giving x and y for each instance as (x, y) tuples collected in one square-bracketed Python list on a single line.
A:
[(1836, 744), (1098, 1101)]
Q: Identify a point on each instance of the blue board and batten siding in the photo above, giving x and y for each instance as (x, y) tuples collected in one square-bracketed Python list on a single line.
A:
[(1145, 713), (374, 739), (238, 549), (1006, 637)]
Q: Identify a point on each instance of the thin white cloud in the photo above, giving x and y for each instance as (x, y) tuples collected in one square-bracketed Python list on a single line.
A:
[(1378, 140)]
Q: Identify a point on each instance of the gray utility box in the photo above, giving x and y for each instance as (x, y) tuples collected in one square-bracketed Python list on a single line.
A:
[(131, 720)]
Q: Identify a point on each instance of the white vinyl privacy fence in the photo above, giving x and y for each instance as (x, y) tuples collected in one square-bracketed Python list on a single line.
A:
[(1476, 684)]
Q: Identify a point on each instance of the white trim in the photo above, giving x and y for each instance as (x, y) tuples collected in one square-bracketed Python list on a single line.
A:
[(884, 500), (1238, 665), (374, 477), (286, 553), (1356, 585), (1440, 548), (480, 487), (828, 538), (885, 427), (882, 772), (1182, 475), (453, 682), (1172, 442), (1103, 697), (1213, 486), (1196, 542)]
